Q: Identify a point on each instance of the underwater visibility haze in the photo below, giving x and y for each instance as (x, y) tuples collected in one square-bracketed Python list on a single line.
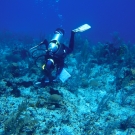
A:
[(34, 17), (97, 97)]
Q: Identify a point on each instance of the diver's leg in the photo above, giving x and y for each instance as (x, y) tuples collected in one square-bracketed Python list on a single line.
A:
[(71, 42), (79, 29)]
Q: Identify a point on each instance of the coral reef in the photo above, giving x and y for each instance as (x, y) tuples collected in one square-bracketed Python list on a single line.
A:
[(98, 98)]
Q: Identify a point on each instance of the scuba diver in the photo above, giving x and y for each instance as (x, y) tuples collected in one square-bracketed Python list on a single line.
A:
[(56, 53)]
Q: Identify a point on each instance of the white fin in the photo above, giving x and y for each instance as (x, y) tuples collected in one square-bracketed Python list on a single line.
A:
[(82, 28)]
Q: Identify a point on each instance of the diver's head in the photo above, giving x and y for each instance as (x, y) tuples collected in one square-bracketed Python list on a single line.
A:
[(55, 41)]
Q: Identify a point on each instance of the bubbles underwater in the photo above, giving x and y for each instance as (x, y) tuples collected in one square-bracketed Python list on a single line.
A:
[(53, 6)]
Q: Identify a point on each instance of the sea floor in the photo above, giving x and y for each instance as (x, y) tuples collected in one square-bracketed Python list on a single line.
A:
[(91, 102)]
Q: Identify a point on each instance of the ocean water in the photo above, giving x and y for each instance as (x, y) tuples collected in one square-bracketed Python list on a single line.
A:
[(98, 95), (34, 17)]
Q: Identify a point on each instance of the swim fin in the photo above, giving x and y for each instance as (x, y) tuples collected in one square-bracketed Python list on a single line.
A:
[(82, 28)]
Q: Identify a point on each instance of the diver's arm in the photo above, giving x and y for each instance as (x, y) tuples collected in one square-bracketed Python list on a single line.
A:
[(59, 69)]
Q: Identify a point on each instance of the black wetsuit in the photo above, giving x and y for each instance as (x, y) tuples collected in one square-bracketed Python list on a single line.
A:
[(58, 57)]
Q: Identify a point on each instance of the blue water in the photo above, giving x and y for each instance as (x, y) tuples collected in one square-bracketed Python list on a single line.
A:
[(98, 98), (36, 17)]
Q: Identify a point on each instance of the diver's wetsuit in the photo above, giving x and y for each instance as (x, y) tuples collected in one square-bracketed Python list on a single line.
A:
[(58, 57)]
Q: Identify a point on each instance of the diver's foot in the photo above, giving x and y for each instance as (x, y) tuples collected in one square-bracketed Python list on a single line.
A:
[(37, 83), (82, 28), (42, 81)]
